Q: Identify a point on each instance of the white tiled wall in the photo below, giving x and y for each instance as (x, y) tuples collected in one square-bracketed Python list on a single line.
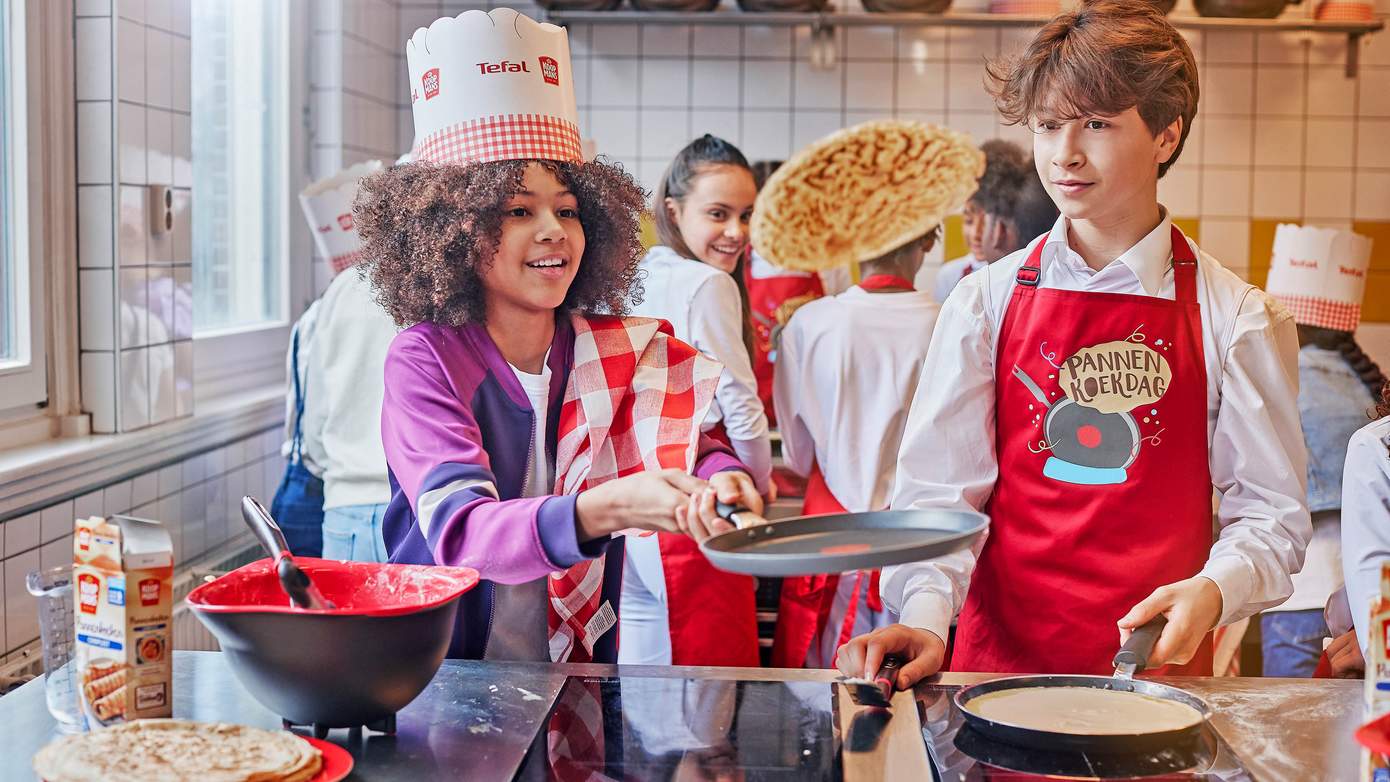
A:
[(357, 89), (135, 283), (1282, 133), (196, 498)]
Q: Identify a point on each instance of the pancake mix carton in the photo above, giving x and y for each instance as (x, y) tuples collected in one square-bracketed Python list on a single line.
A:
[(1375, 766), (123, 573)]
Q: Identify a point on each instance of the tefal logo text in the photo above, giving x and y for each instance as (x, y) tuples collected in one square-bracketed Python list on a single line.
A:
[(506, 66), (550, 70), (430, 81), (88, 592)]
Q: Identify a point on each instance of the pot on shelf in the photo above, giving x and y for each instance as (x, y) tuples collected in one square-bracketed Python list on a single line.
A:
[(786, 6), (1241, 9), (906, 6)]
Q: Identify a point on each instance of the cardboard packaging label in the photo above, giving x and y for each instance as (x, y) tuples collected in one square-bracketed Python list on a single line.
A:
[(123, 569)]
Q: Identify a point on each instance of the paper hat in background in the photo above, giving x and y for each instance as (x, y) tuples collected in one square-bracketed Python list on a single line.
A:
[(863, 191), (1320, 275), (492, 86), (327, 206)]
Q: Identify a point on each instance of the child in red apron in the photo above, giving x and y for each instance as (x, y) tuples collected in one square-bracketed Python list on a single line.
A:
[(1090, 392), (680, 609), (848, 363)]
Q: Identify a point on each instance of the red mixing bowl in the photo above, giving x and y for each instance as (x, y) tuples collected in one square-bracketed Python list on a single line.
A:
[(354, 664)]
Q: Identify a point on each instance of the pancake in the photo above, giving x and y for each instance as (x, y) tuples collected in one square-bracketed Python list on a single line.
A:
[(162, 750), (1084, 711)]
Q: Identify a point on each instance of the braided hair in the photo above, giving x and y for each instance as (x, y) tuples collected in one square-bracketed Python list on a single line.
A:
[(1344, 343)]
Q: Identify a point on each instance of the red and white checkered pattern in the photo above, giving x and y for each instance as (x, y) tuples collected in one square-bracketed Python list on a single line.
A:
[(634, 401), (574, 736), (345, 261), (503, 137), (1336, 11), (1325, 313)]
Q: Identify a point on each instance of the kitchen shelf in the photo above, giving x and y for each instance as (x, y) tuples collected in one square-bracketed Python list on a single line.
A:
[(1352, 30)]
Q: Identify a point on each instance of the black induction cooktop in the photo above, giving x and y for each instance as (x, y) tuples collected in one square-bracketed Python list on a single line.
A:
[(630, 728)]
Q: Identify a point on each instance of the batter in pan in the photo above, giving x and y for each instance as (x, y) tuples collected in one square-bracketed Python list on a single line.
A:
[(1084, 711)]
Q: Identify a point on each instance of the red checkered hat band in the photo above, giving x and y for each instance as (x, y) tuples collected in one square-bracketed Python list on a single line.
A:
[(503, 137), (344, 261), (1313, 311)]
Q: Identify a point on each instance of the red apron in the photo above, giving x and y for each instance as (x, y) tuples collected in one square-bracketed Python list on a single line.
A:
[(712, 614), (1104, 495), (766, 297), (804, 608)]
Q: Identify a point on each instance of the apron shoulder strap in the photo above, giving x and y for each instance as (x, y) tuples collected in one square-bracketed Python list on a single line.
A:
[(1184, 269), (1030, 273)]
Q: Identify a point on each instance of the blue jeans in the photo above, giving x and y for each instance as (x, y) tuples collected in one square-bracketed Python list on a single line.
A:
[(1291, 642), (354, 532)]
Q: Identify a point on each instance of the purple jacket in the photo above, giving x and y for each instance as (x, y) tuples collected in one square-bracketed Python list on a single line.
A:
[(457, 428)]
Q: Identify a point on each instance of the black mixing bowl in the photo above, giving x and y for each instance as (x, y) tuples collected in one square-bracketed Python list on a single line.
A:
[(355, 664)]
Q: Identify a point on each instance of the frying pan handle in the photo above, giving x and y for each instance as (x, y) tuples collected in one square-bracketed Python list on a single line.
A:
[(1032, 387), (1141, 643), (267, 531), (730, 512)]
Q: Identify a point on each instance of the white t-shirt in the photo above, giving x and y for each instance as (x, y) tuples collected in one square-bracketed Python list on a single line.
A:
[(519, 630)]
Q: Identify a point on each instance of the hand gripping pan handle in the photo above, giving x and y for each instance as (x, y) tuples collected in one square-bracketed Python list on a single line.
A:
[(1134, 655), (734, 514)]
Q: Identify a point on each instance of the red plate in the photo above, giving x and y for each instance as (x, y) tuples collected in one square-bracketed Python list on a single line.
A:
[(337, 763), (1375, 735)]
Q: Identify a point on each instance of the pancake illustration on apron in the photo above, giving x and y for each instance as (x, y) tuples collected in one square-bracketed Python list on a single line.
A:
[(1091, 425)]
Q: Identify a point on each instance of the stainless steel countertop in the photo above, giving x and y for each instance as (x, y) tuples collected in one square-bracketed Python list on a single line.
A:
[(474, 722)]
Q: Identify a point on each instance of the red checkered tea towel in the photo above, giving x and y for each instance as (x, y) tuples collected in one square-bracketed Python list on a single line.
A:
[(634, 401)]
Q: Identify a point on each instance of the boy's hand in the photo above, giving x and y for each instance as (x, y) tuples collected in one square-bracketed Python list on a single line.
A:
[(700, 520), (1345, 655), (1193, 607), (923, 651)]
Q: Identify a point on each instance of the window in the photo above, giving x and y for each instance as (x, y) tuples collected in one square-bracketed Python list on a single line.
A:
[(240, 172), (23, 371)]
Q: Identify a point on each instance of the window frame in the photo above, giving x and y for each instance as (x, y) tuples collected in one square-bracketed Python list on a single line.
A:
[(240, 358), (24, 381)]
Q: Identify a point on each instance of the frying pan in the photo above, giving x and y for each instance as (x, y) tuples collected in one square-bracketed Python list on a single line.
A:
[(1088, 447), (1133, 656), (839, 542)]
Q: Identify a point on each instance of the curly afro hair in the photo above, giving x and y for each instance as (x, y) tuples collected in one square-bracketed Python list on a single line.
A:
[(428, 231)]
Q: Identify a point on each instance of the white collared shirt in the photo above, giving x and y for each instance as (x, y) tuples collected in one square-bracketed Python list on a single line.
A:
[(950, 274), (1257, 455), (1366, 521), (847, 367)]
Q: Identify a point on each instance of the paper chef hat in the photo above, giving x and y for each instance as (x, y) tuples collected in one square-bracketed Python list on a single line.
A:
[(1320, 275), (327, 206), (492, 86)]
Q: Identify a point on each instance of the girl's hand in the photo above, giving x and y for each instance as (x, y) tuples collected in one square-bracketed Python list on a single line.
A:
[(646, 500), (700, 520)]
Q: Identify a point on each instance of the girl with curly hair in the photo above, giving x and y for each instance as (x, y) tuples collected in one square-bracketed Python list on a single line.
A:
[(519, 406), (694, 279)]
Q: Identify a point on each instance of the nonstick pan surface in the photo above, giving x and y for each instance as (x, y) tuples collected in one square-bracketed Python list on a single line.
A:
[(1114, 742), (841, 542)]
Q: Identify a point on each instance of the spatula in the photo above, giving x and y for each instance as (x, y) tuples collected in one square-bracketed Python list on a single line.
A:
[(294, 581)]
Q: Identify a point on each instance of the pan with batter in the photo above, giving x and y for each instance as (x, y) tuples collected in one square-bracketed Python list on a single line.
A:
[(1087, 711)]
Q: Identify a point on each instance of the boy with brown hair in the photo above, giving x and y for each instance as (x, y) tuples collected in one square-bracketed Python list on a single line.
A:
[(1119, 374)]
